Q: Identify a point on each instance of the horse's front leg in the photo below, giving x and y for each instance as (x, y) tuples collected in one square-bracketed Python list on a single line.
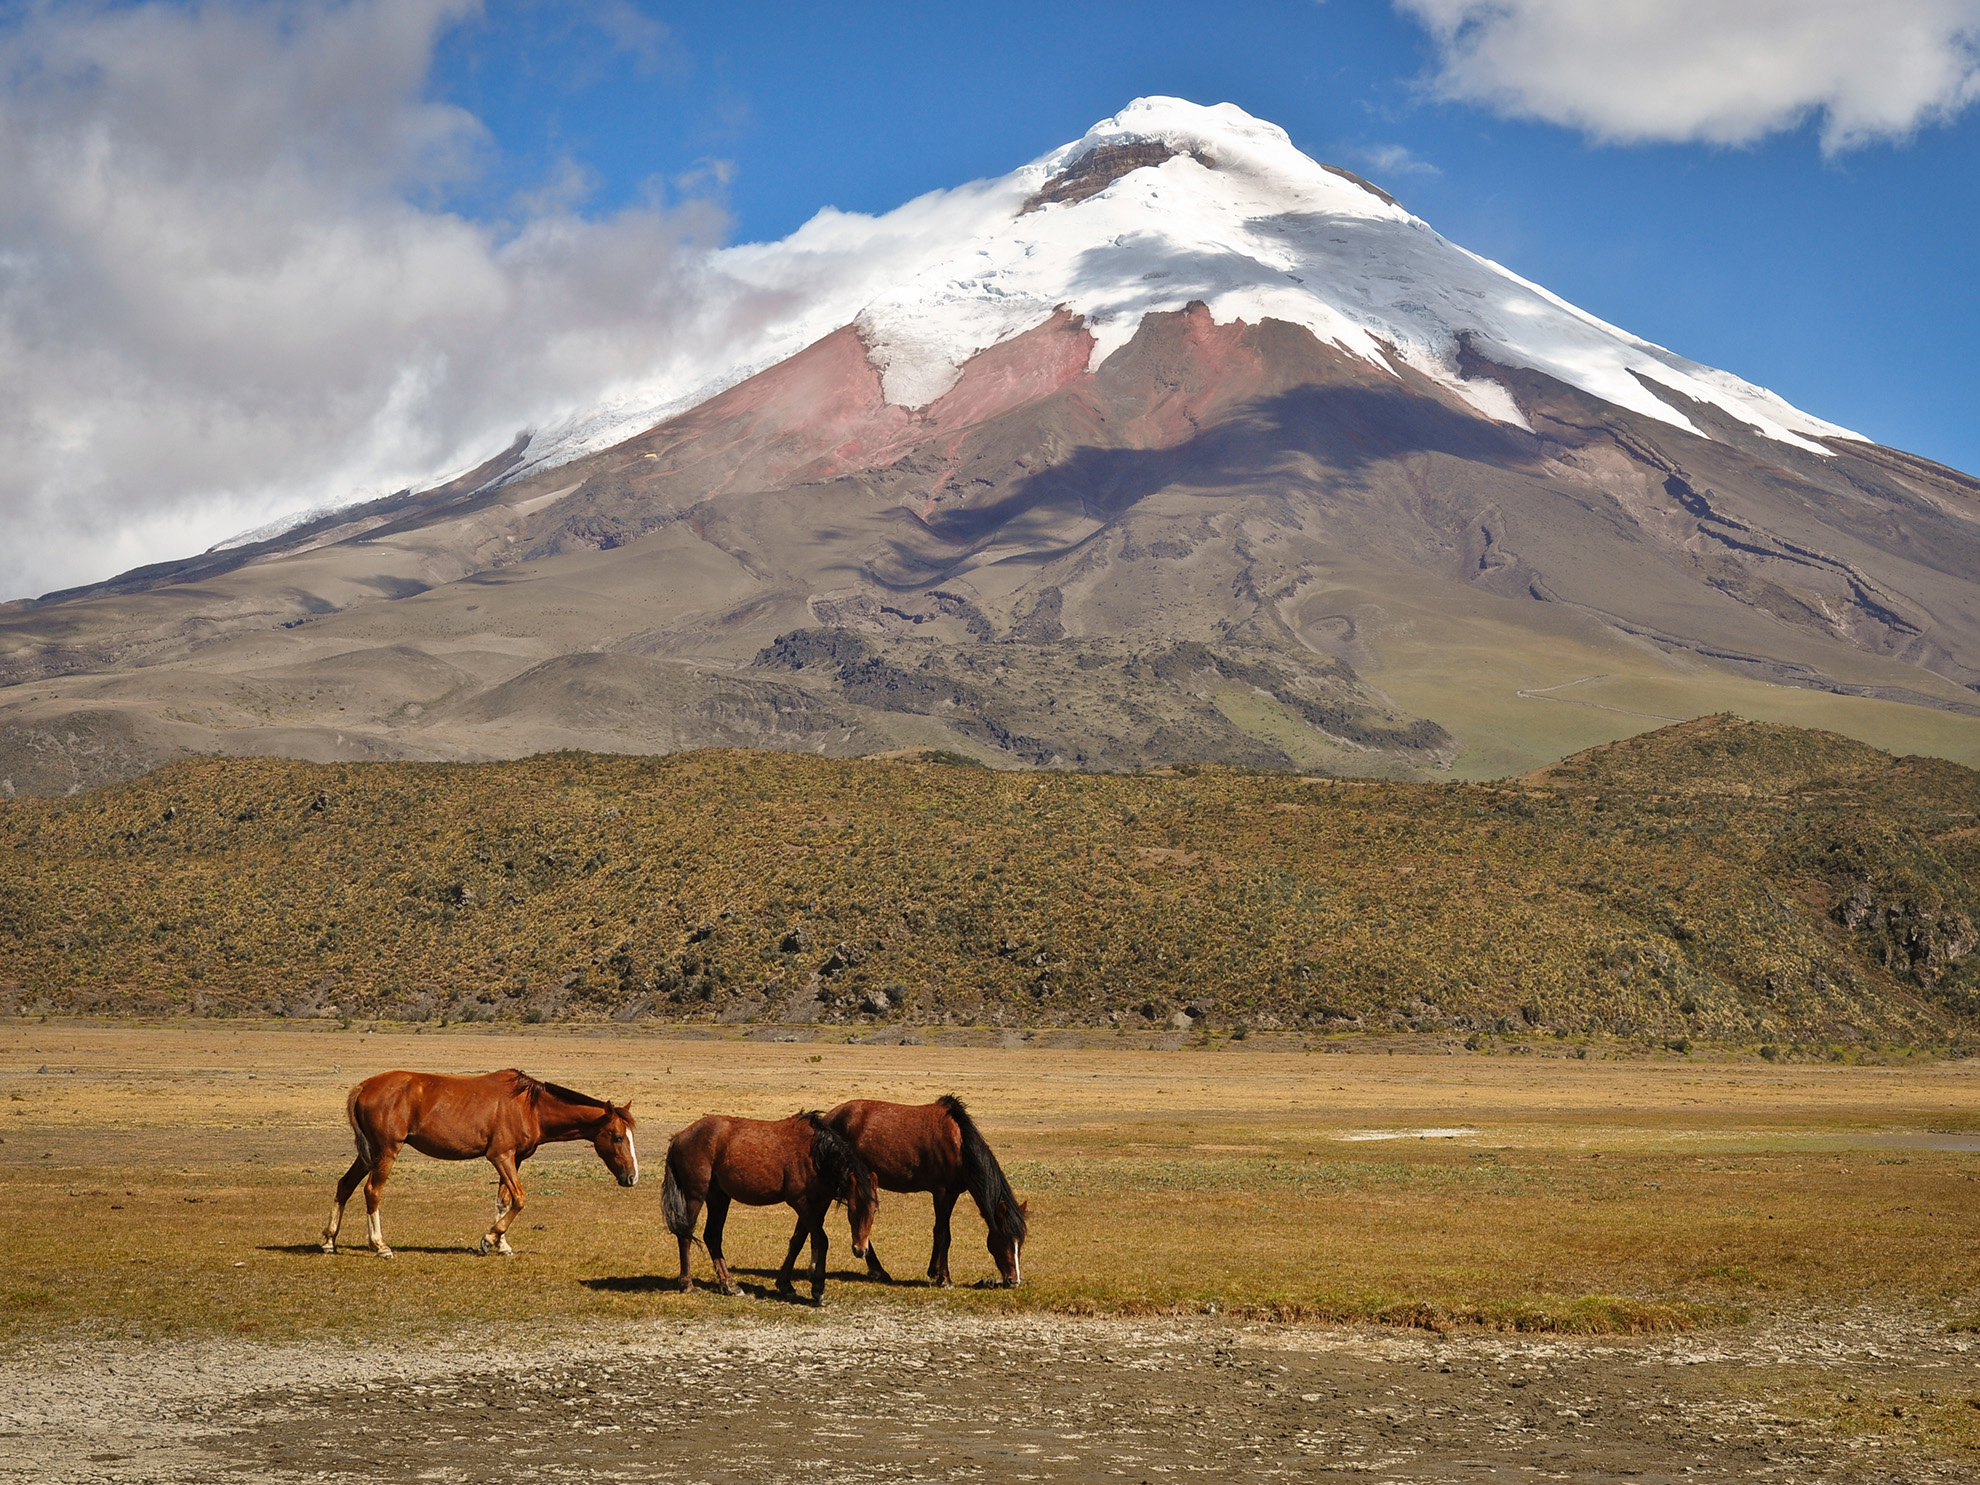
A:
[(508, 1202), (352, 1178), (874, 1270), (819, 1243), (938, 1257)]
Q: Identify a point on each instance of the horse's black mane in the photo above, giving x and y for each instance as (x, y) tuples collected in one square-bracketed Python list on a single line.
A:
[(536, 1087), (837, 1161), (994, 1197)]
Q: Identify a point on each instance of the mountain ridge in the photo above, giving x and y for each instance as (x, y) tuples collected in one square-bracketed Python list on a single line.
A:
[(1098, 434)]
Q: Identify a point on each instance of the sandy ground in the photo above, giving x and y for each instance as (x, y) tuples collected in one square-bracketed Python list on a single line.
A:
[(943, 1398)]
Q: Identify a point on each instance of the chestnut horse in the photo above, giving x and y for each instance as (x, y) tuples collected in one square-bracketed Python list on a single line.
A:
[(800, 1161), (935, 1147), (501, 1117)]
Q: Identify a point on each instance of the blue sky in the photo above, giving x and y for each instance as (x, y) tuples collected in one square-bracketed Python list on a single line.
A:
[(1849, 283), (261, 256)]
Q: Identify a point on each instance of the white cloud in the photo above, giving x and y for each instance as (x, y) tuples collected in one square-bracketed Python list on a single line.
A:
[(226, 292), (1391, 159), (1715, 71)]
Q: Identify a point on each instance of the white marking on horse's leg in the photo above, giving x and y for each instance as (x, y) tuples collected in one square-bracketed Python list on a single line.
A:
[(333, 1226), (497, 1240), (375, 1230)]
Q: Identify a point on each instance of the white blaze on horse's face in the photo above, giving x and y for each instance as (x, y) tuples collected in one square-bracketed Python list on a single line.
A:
[(1006, 1256), (614, 1144)]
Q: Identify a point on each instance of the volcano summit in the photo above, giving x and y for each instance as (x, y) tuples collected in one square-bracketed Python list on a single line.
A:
[(1181, 447)]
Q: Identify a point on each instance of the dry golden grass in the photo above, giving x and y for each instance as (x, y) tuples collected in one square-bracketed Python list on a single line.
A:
[(1719, 883), (176, 1179)]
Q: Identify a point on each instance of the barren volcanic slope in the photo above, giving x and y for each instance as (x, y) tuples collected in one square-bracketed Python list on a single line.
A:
[(1192, 449)]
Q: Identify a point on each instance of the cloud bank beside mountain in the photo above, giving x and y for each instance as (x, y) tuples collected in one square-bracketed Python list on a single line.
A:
[(230, 286), (1711, 71)]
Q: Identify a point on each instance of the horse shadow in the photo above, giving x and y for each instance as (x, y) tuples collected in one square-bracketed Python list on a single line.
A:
[(633, 1284), (755, 1283), (315, 1250), (668, 1284)]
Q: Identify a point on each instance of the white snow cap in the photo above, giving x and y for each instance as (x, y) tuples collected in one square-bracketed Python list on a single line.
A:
[(1258, 232), (1261, 231)]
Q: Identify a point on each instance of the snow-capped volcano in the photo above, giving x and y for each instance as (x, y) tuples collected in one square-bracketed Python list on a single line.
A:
[(1166, 203), (1173, 445), (1230, 213)]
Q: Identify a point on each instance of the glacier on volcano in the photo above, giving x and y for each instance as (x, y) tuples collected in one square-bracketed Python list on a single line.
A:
[(1235, 216)]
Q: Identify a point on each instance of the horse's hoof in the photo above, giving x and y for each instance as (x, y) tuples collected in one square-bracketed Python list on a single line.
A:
[(945, 1282), (732, 1290), (687, 1286), (503, 1250), (381, 1252), (329, 1247), (818, 1301), (482, 1247)]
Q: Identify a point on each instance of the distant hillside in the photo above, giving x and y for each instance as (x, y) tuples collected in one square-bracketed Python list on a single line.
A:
[(1718, 880)]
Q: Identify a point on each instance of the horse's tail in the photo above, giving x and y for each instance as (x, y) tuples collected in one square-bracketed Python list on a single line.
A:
[(994, 1197), (673, 1201), (363, 1140), (837, 1162)]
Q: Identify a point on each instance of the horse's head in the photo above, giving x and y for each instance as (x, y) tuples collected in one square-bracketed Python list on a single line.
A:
[(1006, 1241), (862, 1205), (613, 1140), (849, 1179)]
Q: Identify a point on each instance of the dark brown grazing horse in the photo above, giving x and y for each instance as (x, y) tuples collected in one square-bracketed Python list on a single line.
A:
[(500, 1117), (800, 1161), (935, 1147)]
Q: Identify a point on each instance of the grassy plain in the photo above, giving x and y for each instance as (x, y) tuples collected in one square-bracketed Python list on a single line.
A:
[(171, 1180)]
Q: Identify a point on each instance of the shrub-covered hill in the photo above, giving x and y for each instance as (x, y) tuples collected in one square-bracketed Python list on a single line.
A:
[(1716, 880)]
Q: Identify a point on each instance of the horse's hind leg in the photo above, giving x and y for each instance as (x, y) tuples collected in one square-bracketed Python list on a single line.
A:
[(718, 1217), (374, 1193), (508, 1202), (344, 1189), (691, 1209), (798, 1235), (938, 1257)]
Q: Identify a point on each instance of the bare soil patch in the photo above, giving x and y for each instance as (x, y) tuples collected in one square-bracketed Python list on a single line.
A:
[(960, 1398)]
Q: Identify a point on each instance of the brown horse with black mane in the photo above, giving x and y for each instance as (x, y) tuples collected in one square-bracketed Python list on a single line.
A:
[(800, 1161), (936, 1147), (500, 1117)]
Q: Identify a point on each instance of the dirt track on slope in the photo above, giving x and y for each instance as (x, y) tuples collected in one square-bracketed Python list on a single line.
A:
[(943, 1398)]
